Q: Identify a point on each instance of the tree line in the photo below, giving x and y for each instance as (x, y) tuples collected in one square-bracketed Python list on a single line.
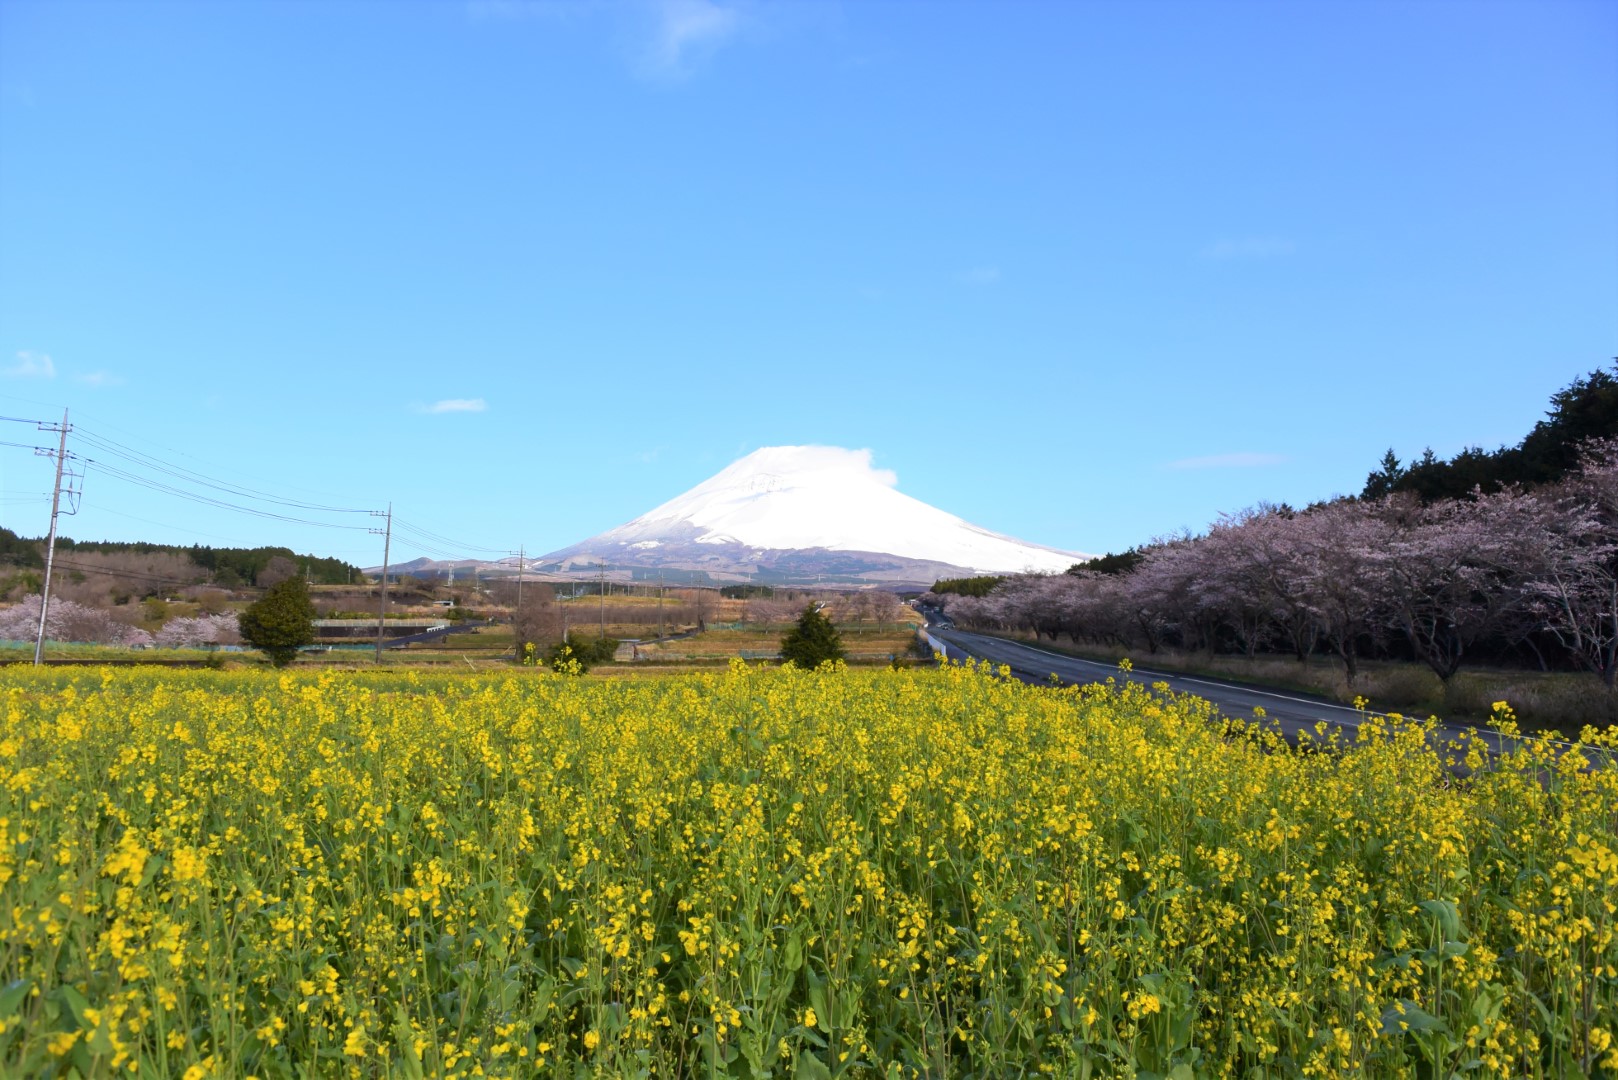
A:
[(1515, 568), (226, 567)]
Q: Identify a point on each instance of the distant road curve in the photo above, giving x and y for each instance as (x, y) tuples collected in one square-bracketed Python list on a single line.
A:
[(1292, 713)]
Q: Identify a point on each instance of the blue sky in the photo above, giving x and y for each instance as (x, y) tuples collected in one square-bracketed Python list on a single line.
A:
[(1084, 273)]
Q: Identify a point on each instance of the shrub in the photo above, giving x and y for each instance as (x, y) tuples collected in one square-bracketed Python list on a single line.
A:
[(813, 641), (579, 655), (281, 623)]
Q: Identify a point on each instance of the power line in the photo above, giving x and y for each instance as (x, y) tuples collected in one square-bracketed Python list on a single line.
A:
[(133, 466), (138, 437), (208, 500), (447, 541), (165, 579), (167, 525), (179, 472)]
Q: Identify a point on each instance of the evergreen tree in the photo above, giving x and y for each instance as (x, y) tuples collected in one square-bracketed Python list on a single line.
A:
[(1385, 479), (1584, 410), (813, 641), (281, 622)]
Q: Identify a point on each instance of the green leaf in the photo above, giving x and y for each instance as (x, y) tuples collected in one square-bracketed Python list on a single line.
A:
[(1448, 916), (12, 997), (75, 1002), (1412, 1018), (405, 1036), (810, 1067), (792, 957)]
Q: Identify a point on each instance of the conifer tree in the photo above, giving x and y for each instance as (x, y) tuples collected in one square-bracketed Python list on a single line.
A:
[(281, 622), (813, 641)]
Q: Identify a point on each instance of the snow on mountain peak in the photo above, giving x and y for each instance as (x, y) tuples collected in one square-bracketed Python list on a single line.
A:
[(824, 497)]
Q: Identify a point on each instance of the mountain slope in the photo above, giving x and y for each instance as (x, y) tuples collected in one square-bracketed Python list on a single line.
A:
[(802, 512)]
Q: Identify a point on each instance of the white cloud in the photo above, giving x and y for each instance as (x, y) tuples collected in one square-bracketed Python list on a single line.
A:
[(685, 32), (32, 365), (98, 379), (538, 9), (449, 405), (1249, 247), (665, 40), (982, 275), (1242, 460)]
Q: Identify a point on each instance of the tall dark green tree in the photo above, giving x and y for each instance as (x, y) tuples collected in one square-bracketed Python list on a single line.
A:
[(1585, 409), (813, 641), (281, 622), (1386, 477)]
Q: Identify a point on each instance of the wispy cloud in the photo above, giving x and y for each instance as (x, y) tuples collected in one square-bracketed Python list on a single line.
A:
[(684, 33), (664, 41), (981, 275), (1249, 247), (99, 379), (453, 405), (1243, 460), (536, 9), (32, 365)]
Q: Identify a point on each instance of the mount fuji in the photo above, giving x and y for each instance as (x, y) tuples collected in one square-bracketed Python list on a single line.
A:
[(799, 514)]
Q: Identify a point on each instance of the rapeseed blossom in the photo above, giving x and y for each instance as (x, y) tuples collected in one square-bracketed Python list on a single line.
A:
[(776, 872)]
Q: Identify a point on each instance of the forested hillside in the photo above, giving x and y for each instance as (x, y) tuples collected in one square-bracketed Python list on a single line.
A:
[(145, 569)]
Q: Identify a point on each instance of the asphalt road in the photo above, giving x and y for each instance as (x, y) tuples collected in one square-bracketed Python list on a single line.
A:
[(1292, 713)]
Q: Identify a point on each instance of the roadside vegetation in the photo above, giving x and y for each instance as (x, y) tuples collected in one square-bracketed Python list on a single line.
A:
[(1560, 701)]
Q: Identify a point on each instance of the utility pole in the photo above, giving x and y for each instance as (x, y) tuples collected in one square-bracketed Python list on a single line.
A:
[(50, 545), (522, 563), (601, 584), (387, 544), (660, 604)]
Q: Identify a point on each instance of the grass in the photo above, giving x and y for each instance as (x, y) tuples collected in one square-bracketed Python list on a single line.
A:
[(16, 652), (871, 646), (1565, 702)]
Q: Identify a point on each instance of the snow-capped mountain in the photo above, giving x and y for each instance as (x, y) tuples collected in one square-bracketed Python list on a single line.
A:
[(801, 513)]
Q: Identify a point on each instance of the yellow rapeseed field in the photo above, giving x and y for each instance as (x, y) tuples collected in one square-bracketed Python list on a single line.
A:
[(776, 873)]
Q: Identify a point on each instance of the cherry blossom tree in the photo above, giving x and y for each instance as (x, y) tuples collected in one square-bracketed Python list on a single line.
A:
[(1451, 570), (200, 632), (66, 620), (1339, 556), (1575, 583)]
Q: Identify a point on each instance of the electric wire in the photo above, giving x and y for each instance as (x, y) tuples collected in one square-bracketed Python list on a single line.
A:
[(399, 523), (132, 466), (208, 500), (91, 568), (179, 472)]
